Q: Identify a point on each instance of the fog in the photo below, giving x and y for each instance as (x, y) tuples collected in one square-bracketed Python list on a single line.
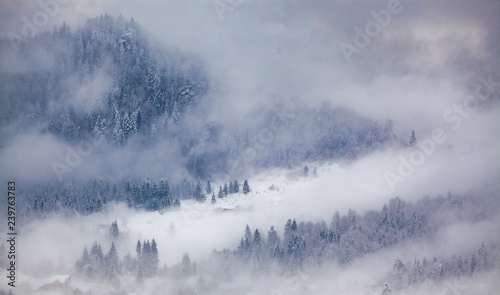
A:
[(433, 68)]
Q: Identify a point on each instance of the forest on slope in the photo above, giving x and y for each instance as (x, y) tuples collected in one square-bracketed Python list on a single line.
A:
[(105, 85)]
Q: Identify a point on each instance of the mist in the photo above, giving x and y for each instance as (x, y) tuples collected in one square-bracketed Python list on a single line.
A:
[(313, 103)]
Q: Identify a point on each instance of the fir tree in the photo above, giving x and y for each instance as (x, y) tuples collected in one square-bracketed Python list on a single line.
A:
[(482, 258), (111, 259), (186, 267), (387, 290), (154, 258), (272, 239), (413, 139), (113, 230), (257, 249), (246, 187), (198, 193), (473, 265), (416, 276), (138, 249), (236, 187), (208, 188)]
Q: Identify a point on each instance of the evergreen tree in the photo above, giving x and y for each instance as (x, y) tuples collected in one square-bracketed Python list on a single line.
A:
[(186, 267), (140, 275), (213, 198), (416, 277), (226, 190), (413, 139), (221, 193), (246, 187), (288, 233), (113, 230), (399, 273), (154, 257), (111, 259), (272, 239), (482, 258), (236, 187), (208, 188), (145, 260), (198, 194), (118, 134), (83, 263), (96, 262), (388, 131), (138, 249), (128, 125), (153, 134), (473, 265), (387, 290), (257, 241)]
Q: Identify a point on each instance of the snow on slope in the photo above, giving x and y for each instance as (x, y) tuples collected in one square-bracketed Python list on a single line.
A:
[(276, 195)]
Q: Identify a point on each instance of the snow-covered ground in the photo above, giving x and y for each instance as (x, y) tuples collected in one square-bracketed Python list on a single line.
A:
[(51, 247)]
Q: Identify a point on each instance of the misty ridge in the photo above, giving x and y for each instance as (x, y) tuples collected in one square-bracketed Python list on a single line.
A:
[(142, 97), (227, 149)]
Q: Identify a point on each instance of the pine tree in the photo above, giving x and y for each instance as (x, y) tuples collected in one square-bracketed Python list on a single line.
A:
[(198, 194), (413, 139), (213, 198), (140, 275), (257, 249), (257, 241), (272, 239), (399, 273), (186, 267), (118, 134), (346, 254), (296, 252), (153, 135), (138, 249), (246, 187), (208, 188), (236, 187), (221, 193), (128, 125), (226, 190), (482, 258), (288, 233), (416, 277), (154, 257), (387, 290), (145, 261), (114, 232), (473, 265), (247, 241), (388, 131), (83, 263), (96, 262), (111, 259)]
